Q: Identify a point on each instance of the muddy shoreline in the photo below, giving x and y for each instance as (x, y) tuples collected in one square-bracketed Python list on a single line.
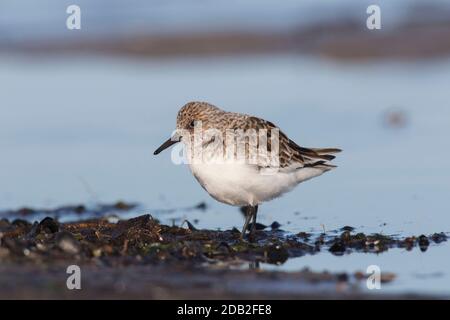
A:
[(171, 282), (142, 258)]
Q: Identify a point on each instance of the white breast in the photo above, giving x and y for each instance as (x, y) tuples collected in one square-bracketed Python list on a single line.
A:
[(242, 184)]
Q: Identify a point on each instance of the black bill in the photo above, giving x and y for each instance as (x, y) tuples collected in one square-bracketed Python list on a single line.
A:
[(171, 141)]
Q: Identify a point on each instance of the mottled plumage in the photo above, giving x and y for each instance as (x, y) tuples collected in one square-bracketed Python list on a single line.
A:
[(290, 153)]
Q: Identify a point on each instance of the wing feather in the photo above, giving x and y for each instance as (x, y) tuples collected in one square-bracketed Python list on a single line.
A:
[(290, 153)]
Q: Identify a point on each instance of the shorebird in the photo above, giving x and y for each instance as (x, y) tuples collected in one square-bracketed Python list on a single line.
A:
[(278, 165)]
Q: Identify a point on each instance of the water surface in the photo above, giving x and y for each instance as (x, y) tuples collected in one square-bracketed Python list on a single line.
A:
[(83, 130)]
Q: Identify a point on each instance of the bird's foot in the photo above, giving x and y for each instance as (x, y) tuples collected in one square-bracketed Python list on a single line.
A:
[(250, 236)]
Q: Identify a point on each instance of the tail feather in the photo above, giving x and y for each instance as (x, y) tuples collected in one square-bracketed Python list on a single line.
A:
[(326, 150), (320, 164), (319, 153)]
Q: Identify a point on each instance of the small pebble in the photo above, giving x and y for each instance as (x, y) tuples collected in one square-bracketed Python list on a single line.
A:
[(338, 248), (275, 225), (48, 225), (67, 242)]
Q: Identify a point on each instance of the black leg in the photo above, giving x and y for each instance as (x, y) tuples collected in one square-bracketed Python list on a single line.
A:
[(248, 216), (255, 212)]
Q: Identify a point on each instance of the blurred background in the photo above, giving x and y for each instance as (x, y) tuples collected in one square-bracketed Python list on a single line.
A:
[(83, 110)]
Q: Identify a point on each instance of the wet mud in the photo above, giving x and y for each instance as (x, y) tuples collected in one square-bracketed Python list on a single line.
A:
[(181, 261)]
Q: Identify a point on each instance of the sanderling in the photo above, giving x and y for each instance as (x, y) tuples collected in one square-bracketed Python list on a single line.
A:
[(242, 160)]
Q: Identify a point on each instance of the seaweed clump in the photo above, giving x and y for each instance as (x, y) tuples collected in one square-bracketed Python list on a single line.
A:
[(376, 243), (144, 240)]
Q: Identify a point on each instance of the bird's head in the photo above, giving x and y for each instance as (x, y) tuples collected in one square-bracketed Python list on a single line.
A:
[(191, 115)]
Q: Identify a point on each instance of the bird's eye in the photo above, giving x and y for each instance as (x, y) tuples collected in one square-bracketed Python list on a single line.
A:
[(192, 124)]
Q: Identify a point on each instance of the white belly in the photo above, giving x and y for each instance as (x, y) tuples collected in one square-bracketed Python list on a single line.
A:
[(242, 185)]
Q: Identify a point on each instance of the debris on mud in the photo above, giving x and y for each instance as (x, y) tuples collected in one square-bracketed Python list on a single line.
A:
[(147, 240), (144, 240), (154, 250), (347, 242)]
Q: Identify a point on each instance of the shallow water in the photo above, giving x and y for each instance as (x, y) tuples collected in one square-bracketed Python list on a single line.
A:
[(83, 129), (415, 271)]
